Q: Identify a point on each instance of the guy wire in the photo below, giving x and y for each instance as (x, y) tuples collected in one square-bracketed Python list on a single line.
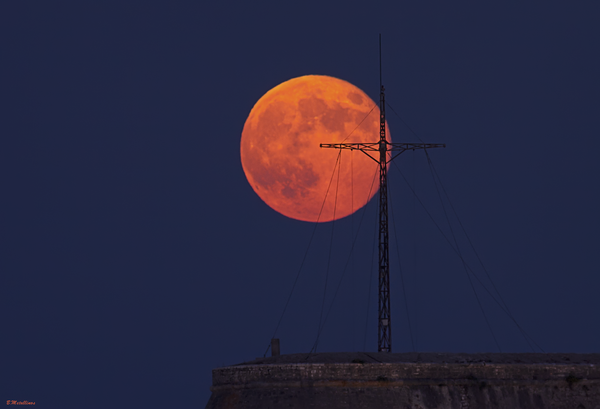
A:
[(508, 312), (463, 260), (305, 253), (460, 256), (401, 272), (351, 250), (337, 185), (371, 276)]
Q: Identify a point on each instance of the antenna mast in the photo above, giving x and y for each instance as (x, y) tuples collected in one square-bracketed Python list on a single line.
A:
[(384, 330), (384, 338)]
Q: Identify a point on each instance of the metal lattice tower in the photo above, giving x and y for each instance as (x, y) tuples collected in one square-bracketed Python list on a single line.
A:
[(384, 338)]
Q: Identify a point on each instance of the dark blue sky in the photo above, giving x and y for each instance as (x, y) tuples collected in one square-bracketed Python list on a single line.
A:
[(135, 257)]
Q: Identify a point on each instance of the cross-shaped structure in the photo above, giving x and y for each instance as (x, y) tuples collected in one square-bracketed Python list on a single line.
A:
[(384, 339)]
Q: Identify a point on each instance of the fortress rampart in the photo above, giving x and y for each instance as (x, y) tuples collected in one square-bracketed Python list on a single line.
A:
[(424, 381)]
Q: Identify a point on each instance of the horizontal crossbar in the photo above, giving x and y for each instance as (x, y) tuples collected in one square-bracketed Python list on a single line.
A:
[(375, 146)]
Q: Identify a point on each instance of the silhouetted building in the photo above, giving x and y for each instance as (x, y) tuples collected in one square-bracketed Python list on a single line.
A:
[(410, 380)]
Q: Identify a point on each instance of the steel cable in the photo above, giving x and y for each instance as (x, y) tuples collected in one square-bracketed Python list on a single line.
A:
[(401, 273), (305, 253), (337, 185), (348, 260)]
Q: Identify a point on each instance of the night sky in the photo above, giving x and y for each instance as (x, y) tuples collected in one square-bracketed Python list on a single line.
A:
[(135, 257)]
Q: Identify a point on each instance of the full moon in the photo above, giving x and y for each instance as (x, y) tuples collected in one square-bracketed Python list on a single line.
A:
[(283, 161)]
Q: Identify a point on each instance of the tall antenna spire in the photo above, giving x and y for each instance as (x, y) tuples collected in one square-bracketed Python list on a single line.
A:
[(385, 148), (384, 337), (380, 77)]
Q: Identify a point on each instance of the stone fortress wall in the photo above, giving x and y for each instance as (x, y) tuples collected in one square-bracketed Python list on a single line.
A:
[(423, 381)]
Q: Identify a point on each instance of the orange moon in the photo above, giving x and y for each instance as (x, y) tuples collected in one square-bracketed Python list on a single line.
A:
[(283, 161)]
